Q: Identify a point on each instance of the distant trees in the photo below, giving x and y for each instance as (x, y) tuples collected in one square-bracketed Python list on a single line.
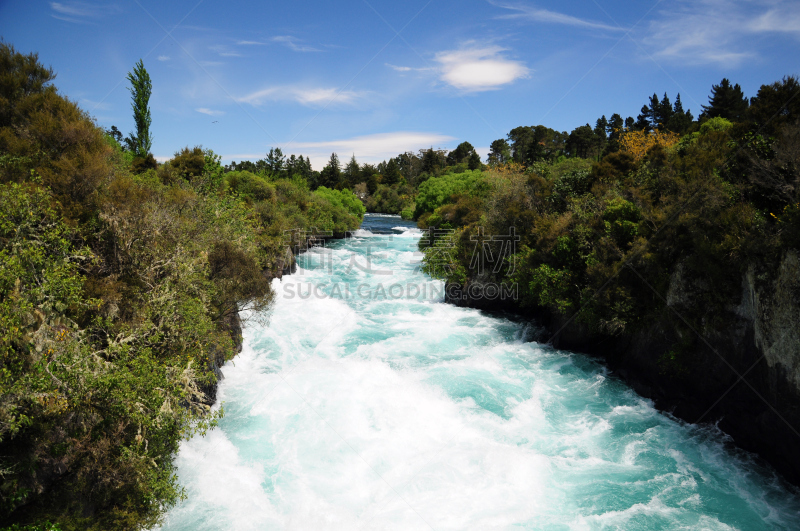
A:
[(331, 173), (352, 173), (276, 165), (499, 152), (661, 114), (581, 141), (141, 88), (391, 173), (776, 104), (460, 154), (533, 143), (726, 101)]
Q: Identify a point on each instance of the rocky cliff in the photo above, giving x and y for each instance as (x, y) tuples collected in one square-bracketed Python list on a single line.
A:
[(739, 367)]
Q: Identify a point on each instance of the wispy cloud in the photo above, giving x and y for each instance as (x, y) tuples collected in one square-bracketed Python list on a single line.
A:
[(370, 148), (163, 58), (474, 68), (719, 31), (407, 68), (529, 12), (224, 51), (294, 44), (96, 105), (81, 12), (209, 112), (302, 95)]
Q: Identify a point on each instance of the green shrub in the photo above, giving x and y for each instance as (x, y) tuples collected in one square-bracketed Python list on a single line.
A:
[(436, 191), (343, 199)]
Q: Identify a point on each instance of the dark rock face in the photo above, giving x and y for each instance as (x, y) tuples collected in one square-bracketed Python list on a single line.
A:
[(740, 370)]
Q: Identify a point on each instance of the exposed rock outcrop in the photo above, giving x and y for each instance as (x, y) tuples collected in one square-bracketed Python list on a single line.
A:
[(740, 367)]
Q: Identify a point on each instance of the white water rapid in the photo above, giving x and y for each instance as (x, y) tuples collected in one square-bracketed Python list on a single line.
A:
[(369, 410)]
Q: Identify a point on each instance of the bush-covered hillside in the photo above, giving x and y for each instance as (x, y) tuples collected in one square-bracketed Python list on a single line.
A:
[(598, 240), (120, 286)]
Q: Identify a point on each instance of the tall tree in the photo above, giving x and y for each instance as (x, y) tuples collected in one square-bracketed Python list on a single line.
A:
[(461, 153), (727, 101), (275, 162), (581, 141), (474, 161), (680, 120), (352, 172), (430, 161), (331, 173), (391, 175), (615, 125), (776, 104), (141, 87), (663, 112), (644, 122), (499, 152)]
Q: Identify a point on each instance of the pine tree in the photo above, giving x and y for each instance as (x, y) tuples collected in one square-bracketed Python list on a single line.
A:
[(615, 125), (391, 175), (499, 152), (474, 162), (275, 162), (460, 153), (331, 173), (644, 120), (352, 172), (726, 101), (663, 112), (141, 87), (680, 120)]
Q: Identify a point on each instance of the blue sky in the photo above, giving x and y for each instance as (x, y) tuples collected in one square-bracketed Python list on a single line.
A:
[(376, 78)]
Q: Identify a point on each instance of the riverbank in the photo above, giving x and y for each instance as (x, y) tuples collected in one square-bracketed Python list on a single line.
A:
[(399, 413), (744, 369)]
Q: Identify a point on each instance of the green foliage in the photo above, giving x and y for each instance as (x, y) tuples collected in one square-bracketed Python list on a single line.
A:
[(437, 190), (390, 199), (250, 186), (717, 123), (344, 199), (120, 287), (141, 88)]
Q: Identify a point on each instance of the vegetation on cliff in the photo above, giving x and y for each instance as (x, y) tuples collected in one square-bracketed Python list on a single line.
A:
[(598, 240), (120, 286)]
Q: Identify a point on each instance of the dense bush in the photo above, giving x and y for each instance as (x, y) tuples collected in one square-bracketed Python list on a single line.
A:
[(344, 199), (719, 200), (435, 191), (120, 287)]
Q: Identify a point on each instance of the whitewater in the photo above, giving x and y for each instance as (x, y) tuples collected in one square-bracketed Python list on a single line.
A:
[(390, 409)]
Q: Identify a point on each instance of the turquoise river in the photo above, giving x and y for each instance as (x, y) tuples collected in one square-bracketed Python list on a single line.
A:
[(368, 403)]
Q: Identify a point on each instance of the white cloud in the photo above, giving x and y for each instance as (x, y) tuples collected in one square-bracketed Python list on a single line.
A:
[(163, 58), (782, 19), (719, 31), (475, 69), (527, 12), (407, 68), (305, 96), (81, 12), (370, 148), (294, 44), (209, 112), (96, 105), (224, 51), (250, 43)]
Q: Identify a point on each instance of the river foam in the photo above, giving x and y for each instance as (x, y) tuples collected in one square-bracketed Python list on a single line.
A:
[(413, 414)]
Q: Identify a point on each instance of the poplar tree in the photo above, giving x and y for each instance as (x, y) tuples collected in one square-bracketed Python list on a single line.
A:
[(140, 88)]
